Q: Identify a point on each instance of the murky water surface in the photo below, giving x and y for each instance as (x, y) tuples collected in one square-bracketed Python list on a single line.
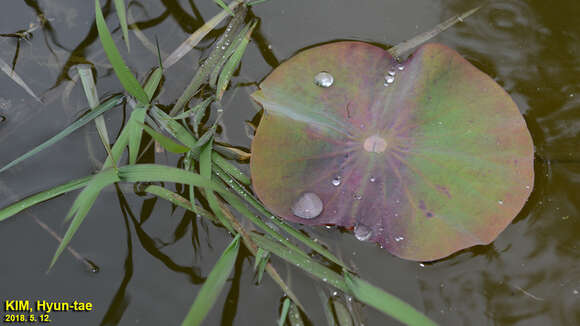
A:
[(153, 259)]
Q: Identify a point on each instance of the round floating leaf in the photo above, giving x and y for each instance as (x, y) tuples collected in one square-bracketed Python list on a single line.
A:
[(425, 157)]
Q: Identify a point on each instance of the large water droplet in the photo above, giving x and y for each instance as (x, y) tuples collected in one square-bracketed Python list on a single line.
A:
[(362, 232), (308, 206), (323, 79), (337, 181)]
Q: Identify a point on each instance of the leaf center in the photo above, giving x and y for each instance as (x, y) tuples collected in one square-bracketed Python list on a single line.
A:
[(375, 144)]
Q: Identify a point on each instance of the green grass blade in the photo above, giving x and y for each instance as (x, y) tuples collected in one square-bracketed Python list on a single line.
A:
[(165, 142), (123, 73), (386, 303), (305, 263), (197, 112), (91, 94), (255, 2), (23, 204), (403, 47), (205, 170), (117, 149), (213, 285), (153, 82), (248, 197), (343, 317), (135, 132), (109, 104), (230, 169), (294, 317), (82, 205), (208, 65), (197, 36), (120, 8), (232, 64), (230, 50), (224, 6), (284, 313), (174, 128), (176, 199)]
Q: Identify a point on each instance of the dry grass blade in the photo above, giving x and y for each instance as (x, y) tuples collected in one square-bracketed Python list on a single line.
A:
[(198, 35), (403, 47), (16, 78)]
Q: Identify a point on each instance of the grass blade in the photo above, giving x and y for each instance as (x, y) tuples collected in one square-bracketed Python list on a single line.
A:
[(153, 82), (233, 62), (165, 142), (120, 8), (92, 96), (213, 285), (386, 303), (209, 64), (305, 263), (284, 313), (123, 73), (82, 205), (23, 204), (255, 2), (197, 36), (401, 48), (135, 132), (109, 104), (176, 199), (343, 317), (16, 78), (224, 6)]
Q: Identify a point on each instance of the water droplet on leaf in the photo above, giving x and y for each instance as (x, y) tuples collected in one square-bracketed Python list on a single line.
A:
[(308, 206), (336, 181), (323, 79), (362, 232)]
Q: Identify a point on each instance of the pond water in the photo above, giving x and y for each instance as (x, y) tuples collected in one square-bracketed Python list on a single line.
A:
[(152, 259)]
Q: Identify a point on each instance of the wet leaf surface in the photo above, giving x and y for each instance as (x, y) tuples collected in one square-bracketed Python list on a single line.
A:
[(425, 157)]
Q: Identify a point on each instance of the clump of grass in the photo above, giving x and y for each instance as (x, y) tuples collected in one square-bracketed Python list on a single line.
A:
[(222, 184)]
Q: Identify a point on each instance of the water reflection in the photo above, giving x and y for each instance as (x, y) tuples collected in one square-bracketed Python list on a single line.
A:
[(532, 277)]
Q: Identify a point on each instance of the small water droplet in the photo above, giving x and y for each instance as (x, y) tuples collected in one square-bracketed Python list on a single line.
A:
[(324, 279), (575, 292), (391, 72), (372, 179), (389, 79), (308, 206), (399, 239), (527, 187), (362, 125), (421, 264), (500, 202), (357, 196), (337, 181), (362, 232), (334, 293), (400, 67), (323, 79)]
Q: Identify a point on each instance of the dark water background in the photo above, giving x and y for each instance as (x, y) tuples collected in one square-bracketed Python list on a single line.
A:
[(152, 260)]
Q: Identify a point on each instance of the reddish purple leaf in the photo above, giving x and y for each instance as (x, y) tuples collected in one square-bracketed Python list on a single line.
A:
[(426, 157)]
